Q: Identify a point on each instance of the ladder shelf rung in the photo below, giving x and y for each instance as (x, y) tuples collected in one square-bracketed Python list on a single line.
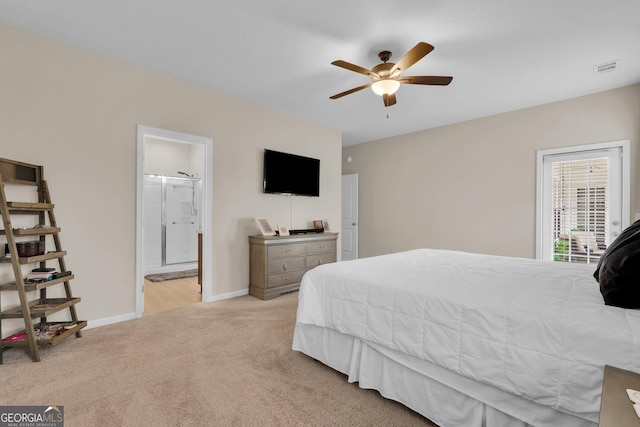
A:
[(40, 308), (18, 207), (29, 287), (77, 326), (36, 258), (32, 231)]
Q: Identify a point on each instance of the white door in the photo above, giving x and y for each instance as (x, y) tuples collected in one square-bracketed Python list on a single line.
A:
[(349, 232), (582, 201)]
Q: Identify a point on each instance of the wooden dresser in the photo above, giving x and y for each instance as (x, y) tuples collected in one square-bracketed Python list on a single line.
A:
[(279, 262), (616, 410)]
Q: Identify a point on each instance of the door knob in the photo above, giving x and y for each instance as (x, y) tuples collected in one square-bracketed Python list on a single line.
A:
[(353, 223)]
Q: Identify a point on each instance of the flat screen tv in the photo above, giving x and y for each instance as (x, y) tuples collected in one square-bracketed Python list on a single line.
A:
[(286, 173)]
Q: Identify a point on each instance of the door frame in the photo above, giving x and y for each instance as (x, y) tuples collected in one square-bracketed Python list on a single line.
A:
[(355, 238), (625, 190), (207, 207)]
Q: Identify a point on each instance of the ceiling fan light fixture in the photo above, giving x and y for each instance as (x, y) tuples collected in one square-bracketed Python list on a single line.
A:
[(385, 86), (387, 77)]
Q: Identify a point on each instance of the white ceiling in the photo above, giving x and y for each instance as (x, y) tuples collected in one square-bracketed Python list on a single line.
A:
[(503, 54)]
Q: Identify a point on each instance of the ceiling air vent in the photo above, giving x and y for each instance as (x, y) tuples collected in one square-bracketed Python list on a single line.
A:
[(607, 67)]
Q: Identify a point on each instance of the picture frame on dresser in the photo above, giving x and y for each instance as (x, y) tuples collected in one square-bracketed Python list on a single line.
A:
[(265, 227), (283, 230)]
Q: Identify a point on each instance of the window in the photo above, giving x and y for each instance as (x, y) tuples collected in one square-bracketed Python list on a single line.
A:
[(582, 201)]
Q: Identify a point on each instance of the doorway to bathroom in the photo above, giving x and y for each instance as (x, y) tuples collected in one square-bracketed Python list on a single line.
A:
[(171, 220)]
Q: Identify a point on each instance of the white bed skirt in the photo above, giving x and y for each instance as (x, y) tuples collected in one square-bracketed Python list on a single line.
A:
[(444, 397)]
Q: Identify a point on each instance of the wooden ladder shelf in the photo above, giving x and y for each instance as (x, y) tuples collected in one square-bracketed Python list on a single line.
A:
[(36, 310)]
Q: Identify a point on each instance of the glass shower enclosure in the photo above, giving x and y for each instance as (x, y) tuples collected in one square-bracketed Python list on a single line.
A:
[(172, 221)]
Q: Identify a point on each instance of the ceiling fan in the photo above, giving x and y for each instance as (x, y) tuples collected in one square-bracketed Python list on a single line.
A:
[(386, 77)]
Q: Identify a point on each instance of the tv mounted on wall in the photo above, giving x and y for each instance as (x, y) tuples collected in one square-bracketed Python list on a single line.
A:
[(291, 174)]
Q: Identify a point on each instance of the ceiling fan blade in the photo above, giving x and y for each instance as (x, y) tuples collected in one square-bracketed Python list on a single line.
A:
[(426, 80), (389, 100), (350, 91), (418, 52), (352, 67)]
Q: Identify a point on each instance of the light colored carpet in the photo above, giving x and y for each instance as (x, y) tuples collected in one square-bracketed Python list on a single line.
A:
[(227, 363)]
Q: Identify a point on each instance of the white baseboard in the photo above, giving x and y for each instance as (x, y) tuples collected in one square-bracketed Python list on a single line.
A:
[(128, 316), (228, 295), (110, 320)]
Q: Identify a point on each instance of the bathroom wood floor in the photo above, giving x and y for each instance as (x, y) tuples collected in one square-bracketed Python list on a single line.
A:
[(161, 296)]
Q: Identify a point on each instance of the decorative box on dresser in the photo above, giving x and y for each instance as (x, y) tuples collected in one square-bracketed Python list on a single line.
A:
[(279, 262)]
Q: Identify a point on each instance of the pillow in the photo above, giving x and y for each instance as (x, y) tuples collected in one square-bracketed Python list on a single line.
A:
[(618, 270)]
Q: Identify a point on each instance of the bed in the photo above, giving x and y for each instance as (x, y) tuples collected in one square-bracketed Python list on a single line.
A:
[(468, 339)]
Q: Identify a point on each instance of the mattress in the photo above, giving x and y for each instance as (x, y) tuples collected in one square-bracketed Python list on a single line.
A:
[(535, 329)]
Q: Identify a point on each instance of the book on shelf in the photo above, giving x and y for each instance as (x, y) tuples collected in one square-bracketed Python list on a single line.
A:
[(57, 274), (45, 276), (50, 330), (41, 275), (15, 337), (42, 306), (43, 270)]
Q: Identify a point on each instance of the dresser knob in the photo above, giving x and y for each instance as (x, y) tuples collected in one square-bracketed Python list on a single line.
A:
[(284, 266)]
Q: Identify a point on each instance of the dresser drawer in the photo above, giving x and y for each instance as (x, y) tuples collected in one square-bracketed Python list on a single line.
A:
[(278, 263), (316, 260), (282, 251), (320, 247), (283, 265), (284, 278)]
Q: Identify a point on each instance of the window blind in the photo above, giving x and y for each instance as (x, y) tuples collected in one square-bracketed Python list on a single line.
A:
[(580, 203)]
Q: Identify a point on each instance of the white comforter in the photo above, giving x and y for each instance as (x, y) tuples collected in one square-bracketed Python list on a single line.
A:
[(536, 329)]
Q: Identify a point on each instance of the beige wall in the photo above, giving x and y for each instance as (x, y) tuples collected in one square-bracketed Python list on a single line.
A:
[(471, 186), (76, 113)]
